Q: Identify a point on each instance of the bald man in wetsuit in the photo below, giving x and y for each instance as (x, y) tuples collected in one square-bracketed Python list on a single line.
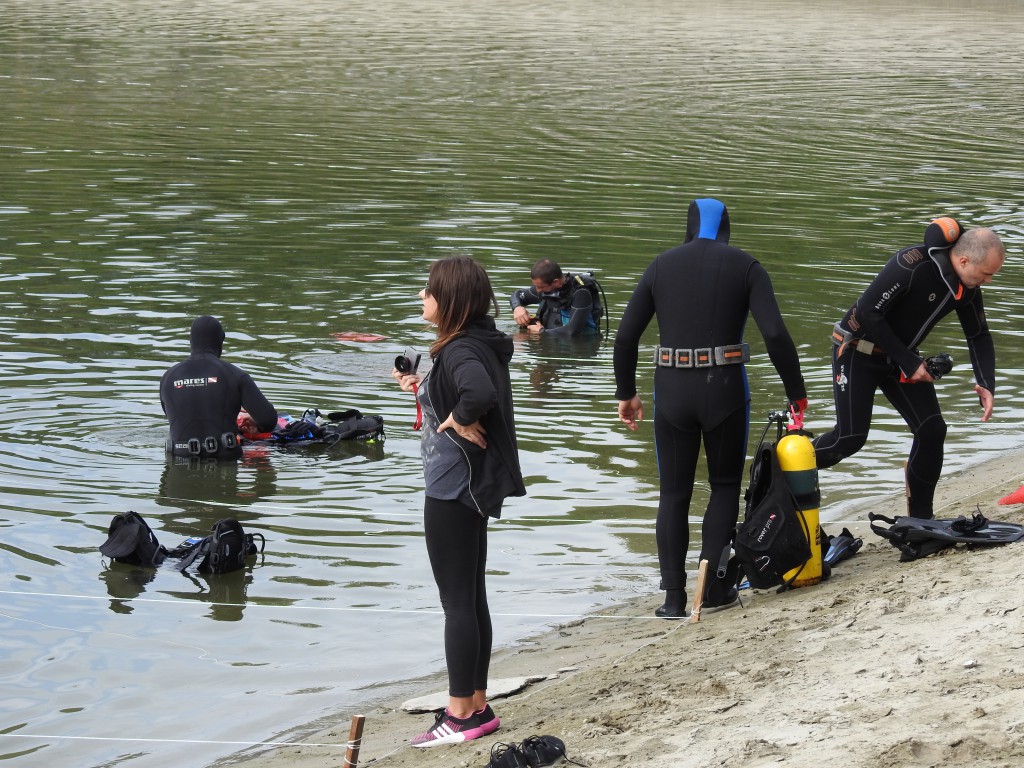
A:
[(203, 394), (875, 347), (702, 292)]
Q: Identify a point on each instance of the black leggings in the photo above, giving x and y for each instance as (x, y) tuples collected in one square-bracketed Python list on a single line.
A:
[(456, 537), (856, 377), (678, 446)]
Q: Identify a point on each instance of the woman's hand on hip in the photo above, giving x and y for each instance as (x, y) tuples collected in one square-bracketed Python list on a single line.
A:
[(473, 432)]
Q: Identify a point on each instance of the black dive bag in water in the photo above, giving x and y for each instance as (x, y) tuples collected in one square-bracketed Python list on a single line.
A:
[(773, 538), (130, 540), (223, 551)]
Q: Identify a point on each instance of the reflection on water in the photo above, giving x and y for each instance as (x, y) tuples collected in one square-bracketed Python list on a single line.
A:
[(294, 172), (202, 492)]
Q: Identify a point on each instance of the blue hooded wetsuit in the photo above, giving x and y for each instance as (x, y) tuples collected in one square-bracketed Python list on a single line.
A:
[(702, 292)]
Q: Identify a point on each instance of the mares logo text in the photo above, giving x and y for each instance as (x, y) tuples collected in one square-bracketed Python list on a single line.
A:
[(198, 382)]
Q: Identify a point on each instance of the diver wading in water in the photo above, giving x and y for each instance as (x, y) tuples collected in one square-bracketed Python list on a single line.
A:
[(202, 396)]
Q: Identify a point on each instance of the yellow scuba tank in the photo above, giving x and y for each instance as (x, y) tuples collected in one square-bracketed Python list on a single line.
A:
[(795, 453)]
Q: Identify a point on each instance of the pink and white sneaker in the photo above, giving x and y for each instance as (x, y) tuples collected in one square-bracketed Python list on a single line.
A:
[(448, 729)]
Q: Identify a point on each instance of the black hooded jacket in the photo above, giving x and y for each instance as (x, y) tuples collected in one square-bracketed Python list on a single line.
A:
[(470, 380), (203, 394)]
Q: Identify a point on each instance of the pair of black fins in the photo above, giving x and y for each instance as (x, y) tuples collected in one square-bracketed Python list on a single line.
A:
[(916, 537)]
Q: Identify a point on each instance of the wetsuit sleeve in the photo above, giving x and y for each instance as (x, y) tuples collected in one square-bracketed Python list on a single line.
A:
[(781, 349), (256, 403), (524, 297), (887, 289), (979, 342), (581, 309), (163, 386), (635, 319), (477, 394)]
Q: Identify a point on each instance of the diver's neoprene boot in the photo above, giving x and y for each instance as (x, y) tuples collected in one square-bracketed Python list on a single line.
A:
[(675, 605)]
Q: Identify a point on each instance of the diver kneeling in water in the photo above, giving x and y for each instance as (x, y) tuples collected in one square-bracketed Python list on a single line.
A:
[(568, 303)]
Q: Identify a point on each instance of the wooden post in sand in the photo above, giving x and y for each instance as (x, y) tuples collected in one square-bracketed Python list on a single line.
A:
[(698, 598), (355, 740), (906, 483)]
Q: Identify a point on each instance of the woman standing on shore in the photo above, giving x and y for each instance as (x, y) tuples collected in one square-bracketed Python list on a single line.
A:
[(470, 465)]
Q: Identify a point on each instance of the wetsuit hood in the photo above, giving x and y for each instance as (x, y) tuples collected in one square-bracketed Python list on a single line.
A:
[(707, 218), (207, 335), (939, 238), (484, 330), (941, 258)]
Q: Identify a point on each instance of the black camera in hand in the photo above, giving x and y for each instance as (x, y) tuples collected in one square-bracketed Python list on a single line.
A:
[(939, 365), (407, 363)]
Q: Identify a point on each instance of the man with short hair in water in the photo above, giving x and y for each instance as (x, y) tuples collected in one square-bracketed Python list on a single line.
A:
[(202, 396), (568, 304), (875, 346)]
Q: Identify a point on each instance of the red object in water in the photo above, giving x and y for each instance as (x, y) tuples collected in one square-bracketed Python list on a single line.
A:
[(1017, 497), (357, 336)]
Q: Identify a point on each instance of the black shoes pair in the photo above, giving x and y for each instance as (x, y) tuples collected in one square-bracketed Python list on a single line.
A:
[(534, 752)]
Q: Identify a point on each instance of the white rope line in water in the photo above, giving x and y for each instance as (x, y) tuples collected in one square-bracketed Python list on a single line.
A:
[(513, 521), (357, 744), (416, 514), (343, 609)]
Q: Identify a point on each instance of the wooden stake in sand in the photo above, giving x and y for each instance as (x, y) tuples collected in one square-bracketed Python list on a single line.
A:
[(698, 597), (355, 740), (906, 483)]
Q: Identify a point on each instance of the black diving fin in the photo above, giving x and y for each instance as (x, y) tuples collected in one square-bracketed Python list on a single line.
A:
[(842, 546), (916, 537)]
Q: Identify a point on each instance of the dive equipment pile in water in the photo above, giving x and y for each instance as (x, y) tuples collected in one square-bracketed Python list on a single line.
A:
[(328, 428), (130, 540), (917, 537)]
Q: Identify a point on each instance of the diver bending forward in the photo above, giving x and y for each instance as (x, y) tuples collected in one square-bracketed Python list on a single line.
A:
[(702, 292), (876, 342)]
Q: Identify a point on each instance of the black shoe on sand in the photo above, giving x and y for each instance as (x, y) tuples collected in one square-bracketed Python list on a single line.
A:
[(543, 751), (728, 600)]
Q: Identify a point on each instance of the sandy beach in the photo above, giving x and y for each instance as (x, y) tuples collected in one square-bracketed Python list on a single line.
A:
[(885, 664)]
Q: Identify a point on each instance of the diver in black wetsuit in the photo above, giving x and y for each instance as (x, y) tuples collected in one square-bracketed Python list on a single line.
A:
[(203, 394), (875, 347), (569, 304), (702, 292)]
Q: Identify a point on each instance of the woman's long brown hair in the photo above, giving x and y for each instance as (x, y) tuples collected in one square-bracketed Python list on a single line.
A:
[(463, 293)]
